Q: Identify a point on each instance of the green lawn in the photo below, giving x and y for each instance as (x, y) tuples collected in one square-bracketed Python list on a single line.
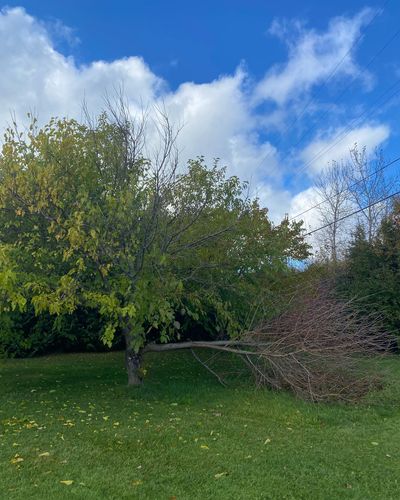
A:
[(183, 436)]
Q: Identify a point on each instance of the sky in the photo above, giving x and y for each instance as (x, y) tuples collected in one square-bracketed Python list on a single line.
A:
[(276, 90)]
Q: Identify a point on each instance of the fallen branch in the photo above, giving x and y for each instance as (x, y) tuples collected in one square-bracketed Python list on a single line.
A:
[(220, 380), (317, 348)]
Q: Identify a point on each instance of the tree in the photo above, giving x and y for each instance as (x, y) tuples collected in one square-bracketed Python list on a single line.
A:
[(90, 218), (372, 270), (332, 187), (368, 184)]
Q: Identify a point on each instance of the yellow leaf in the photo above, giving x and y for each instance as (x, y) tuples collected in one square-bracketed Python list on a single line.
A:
[(267, 441), (44, 454), (137, 482), (17, 459), (204, 447), (67, 482), (220, 474)]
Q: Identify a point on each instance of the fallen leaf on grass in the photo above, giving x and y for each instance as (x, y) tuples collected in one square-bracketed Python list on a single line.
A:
[(137, 482), (17, 459), (220, 474), (67, 482), (204, 447), (267, 441), (44, 454)]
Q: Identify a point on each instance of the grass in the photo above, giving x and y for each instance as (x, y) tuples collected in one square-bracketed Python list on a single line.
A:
[(183, 436)]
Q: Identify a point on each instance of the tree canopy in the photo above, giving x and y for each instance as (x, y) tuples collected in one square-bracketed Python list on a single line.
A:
[(92, 216)]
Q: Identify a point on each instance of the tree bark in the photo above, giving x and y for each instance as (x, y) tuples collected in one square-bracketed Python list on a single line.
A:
[(133, 361), (220, 345)]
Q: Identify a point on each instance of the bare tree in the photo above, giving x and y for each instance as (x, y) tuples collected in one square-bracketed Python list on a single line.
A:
[(368, 183), (332, 187)]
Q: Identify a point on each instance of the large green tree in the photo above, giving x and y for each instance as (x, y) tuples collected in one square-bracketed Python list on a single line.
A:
[(92, 216)]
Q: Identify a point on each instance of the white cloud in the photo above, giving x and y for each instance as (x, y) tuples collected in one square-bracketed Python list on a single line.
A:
[(277, 200), (219, 118), (302, 202), (313, 57), (218, 122), (336, 144), (35, 77)]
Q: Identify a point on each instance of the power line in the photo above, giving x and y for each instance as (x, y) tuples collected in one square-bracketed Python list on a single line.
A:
[(357, 121), (346, 189), (331, 74), (384, 46), (349, 128), (353, 213)]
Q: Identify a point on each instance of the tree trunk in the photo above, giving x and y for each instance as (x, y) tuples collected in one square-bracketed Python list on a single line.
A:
[(133, 361)]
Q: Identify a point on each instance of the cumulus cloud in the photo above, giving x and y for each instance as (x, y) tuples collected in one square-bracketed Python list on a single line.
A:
[(35, 77), (218, 121), (220, 118), (217, 118), (313, 57), (300, 205), (335, 145), (278, 201)]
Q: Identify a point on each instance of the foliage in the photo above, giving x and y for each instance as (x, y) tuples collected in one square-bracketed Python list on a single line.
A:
[(372, 271), (87, 220), (23, 334), (316, 346)]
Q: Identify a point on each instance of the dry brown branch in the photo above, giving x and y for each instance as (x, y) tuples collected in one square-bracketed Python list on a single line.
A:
[(318, 348)]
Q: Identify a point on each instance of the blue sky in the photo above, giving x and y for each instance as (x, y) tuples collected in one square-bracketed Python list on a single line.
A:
[(275, 89)]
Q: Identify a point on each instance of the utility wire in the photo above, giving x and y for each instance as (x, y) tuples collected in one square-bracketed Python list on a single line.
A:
[(357, 121), (332, 73), (349, 128), (385, 45), (353, 213), (346, 189)]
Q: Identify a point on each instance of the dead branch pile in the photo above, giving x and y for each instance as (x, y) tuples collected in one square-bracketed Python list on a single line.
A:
[(318, 348)]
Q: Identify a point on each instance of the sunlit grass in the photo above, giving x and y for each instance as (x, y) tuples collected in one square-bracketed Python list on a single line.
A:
[(70, 428)]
